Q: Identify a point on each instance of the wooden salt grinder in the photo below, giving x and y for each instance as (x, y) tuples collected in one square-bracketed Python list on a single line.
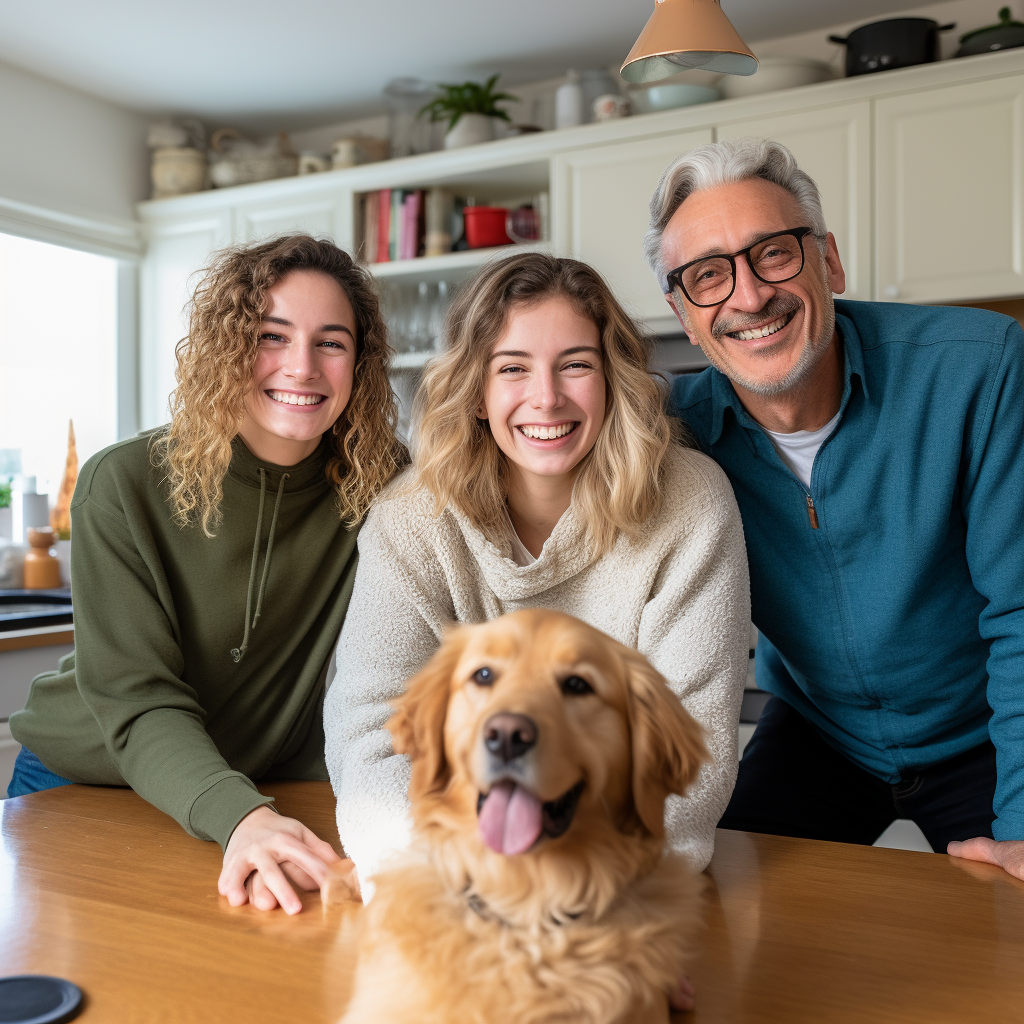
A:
[(42, 570)]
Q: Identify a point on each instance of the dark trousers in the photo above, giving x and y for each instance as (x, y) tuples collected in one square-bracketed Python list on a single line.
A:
[(793, 783)]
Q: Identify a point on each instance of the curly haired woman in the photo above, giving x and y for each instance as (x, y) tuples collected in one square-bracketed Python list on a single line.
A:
[(214, 561), (545, 474)]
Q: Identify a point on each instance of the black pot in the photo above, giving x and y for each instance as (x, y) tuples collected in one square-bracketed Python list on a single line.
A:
[(894, 43)]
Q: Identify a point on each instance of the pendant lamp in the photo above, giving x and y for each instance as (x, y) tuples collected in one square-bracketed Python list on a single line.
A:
[(687, 34)]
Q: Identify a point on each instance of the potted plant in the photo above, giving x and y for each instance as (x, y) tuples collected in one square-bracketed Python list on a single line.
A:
[(470, 109)]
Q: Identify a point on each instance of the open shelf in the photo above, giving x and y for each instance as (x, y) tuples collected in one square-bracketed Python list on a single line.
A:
[(451, 264)]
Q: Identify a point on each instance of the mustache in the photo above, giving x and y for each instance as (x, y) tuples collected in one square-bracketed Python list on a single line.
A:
[(778, 305)]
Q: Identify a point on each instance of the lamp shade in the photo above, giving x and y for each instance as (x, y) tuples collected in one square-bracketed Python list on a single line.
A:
[(684, 34)]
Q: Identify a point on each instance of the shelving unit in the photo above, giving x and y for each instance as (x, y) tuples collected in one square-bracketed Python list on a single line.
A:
[(895, 191), (452, 265)]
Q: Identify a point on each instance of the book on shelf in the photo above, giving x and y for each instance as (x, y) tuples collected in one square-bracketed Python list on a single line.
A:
[(402, 224), (394, 225), (371, 215), (383, 224)]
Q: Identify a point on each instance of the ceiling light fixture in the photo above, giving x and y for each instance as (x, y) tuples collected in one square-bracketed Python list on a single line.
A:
[(687, 34)]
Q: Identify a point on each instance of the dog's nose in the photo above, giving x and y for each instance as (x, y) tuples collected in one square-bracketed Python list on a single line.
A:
[(509, 736)]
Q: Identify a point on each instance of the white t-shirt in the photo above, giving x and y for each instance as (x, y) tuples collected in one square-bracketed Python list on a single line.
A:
[(520, 553), (797, 450)]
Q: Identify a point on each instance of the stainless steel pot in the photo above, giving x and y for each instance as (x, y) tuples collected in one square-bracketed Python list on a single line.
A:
[(893, 43)]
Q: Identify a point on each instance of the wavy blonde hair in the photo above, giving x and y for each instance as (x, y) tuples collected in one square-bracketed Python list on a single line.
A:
[(215, 373), (618, 483)]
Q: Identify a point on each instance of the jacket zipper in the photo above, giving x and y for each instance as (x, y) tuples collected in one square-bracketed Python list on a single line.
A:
[(811, 513)]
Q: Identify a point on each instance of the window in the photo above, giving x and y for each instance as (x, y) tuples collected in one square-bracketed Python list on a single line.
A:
[(58, 356)]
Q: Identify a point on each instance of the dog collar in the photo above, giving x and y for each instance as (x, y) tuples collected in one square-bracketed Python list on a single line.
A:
[(479, 906)]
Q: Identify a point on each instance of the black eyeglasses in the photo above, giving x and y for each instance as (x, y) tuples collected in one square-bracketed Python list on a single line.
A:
[(712, 279)]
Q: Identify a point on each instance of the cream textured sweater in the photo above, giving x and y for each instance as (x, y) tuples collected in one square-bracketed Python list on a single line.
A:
[(679, 594)]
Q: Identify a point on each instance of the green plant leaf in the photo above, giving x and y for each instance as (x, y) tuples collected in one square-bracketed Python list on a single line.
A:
[(466, 98)]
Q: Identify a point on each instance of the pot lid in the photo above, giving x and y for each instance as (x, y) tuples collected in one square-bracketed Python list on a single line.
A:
[(1005, 21)]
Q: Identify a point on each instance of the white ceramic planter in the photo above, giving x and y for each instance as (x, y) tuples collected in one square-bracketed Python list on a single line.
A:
[(469, 130)]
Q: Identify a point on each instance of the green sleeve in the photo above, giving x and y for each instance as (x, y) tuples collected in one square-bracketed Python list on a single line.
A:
[(130, 668)]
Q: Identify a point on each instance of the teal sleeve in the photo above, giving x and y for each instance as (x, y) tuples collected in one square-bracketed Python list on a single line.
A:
[(993, 505)]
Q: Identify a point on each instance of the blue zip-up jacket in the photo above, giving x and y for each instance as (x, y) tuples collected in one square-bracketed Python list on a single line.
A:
[(896, 626)]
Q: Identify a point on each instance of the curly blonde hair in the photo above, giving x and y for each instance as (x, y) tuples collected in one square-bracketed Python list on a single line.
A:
[(618, 483), (215, 373)]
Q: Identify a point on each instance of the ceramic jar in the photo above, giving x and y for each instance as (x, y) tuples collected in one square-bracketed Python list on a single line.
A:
[(177, 171), (42, 570)]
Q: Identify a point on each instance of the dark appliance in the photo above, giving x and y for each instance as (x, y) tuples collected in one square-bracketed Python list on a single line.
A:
[(893, 43)]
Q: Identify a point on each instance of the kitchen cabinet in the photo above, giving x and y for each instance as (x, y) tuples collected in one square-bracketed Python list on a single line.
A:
[(921, 172), (949, 181), (23, 655), (833, 145), (175, 250), (328, 215), (602, 198)]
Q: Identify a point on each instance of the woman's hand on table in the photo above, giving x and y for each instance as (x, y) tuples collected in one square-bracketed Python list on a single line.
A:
[(268, 853), (1007, 854)]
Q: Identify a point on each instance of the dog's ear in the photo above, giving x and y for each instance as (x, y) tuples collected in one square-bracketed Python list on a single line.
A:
[(417, 726), (668, 745)]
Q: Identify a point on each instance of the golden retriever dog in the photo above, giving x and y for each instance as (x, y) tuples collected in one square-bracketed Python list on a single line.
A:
[(537, 888)]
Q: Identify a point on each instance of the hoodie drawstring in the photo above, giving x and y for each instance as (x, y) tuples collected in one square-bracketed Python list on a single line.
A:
[(237, 653)]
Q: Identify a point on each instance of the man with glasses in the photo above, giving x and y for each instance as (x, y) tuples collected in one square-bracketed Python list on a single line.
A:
[(877, 454)]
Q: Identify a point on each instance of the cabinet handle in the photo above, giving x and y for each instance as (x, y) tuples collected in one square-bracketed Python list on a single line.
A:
[(892, 291)]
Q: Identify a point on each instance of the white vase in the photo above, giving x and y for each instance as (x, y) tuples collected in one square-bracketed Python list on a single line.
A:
[(469, 130)]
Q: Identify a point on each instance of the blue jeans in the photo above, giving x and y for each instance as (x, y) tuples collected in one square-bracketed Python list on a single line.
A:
[(793, 783), (31, 775)]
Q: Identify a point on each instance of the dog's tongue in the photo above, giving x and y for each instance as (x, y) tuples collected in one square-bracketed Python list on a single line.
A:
[(511, 819)]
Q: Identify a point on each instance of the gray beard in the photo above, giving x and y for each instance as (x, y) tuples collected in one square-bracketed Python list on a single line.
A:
[(811, 355)]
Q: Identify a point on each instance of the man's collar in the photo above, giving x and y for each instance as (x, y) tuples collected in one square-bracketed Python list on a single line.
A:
[(723, 394)]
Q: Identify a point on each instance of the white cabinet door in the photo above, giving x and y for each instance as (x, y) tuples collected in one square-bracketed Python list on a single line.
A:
[(327, 216), (601, 211), (833, 145), (949, 193), (176, 250)]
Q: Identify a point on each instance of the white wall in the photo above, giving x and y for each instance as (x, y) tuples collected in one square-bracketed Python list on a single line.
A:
[(65, 151)]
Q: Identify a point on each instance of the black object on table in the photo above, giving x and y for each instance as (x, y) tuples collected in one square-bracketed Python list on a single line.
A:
[(38, 999)]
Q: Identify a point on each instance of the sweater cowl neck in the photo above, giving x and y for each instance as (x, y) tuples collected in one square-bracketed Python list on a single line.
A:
[(245, 468), (565, 553)]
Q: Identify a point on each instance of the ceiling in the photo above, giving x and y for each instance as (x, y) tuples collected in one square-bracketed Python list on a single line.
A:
[(264, 64)]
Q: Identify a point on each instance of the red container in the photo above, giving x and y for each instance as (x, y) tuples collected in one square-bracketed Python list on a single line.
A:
[(485, 226)]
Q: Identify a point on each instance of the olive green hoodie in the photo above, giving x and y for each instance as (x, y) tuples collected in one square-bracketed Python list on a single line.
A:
[(168, 690)]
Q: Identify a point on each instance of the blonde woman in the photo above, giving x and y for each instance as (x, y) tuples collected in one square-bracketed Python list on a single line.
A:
[(545, 473), (214, 561)]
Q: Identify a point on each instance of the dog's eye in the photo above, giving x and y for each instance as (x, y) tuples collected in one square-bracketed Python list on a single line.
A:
[(483, 677), (576, 685)]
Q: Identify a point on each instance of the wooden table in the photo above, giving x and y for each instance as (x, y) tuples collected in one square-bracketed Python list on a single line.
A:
[(98, 887)]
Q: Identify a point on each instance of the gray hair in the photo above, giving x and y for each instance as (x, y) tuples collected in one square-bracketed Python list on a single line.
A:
[(724, 163)]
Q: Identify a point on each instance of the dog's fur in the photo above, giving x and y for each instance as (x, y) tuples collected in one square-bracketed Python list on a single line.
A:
[(593, 925)]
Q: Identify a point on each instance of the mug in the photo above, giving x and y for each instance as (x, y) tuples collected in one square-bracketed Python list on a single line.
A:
[(610, 107)]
